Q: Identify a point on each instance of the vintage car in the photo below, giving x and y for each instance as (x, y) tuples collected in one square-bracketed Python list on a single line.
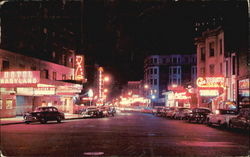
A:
[(182, 113), (199, 115), (43, 114), (107, 111), (91, 112), (171, 112), (221, 117), (242, 120)]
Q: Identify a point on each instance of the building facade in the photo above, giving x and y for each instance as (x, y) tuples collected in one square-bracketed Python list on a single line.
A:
[(27, 82), (161, 71), (220, 70)]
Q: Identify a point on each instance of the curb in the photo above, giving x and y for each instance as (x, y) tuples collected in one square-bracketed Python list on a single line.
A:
[(22, 122)]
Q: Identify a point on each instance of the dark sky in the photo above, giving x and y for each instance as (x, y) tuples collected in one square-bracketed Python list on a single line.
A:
[(119, 34)]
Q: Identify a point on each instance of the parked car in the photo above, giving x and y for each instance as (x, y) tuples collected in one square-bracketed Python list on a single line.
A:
[(91, 112), (43, 114), (182, 113), (199, 115), (221, 117), (107, 111), (242, 120), (171, 112), (157, 109)]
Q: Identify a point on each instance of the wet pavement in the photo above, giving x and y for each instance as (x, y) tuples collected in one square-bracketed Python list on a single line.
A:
[(126, 134)]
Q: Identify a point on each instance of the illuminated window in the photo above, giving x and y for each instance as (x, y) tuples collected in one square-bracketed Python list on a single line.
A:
[(9, 104), (1, 104), (211, 49), (211, 69)]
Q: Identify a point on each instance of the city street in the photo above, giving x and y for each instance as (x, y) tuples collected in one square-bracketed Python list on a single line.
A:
[(126, 134)]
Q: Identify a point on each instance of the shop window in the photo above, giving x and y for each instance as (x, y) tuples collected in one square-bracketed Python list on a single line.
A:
[(9, 103), (1, 104)]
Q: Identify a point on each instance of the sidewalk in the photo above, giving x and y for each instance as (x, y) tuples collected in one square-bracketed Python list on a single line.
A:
[(19, 119)]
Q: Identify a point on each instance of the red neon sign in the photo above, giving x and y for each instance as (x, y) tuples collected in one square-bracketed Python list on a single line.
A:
[(20, 78), (79, 75), (210, 81)]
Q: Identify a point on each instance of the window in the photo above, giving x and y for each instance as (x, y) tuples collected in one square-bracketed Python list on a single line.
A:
[(220, 68), (164, 60), (151, 60), (9, 104), (155, 71), (202, 71), (151, 81), (174, 70), (33, 68), (54, 75), (226, 68), (151, 71), (233, 68), (211, 49), (45, 74), (174, 60), (22, 66), (155, 81), (211, 69), (155, 60), (220, 43), (1, 104), (5, 65), (64, 77)]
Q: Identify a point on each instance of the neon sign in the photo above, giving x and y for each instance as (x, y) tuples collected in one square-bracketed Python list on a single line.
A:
[(244, 84), (79, 75), (210, 81), (182, 95), (20, 78), (209, 92)]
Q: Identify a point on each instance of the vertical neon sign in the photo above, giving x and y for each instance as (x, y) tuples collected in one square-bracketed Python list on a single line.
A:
[(79, 73)]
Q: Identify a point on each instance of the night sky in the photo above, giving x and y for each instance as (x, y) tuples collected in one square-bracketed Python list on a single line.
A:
[(120, 34), (115, 34)]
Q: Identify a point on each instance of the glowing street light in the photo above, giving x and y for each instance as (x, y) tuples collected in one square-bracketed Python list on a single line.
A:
[(105, 90), (146, 86), (106, 78)]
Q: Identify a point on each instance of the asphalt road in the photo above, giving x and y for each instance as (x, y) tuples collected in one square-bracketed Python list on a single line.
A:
[(126, 134)]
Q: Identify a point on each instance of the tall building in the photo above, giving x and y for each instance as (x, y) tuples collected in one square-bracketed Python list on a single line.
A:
[(27, 82), (49, 30), (160, 71), (222, 70)]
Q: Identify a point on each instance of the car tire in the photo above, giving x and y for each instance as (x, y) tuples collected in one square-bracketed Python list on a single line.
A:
[(43, 121), (59, 119)]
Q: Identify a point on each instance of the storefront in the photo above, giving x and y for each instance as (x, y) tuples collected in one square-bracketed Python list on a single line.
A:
[(22, 91), (209, 89), (243, 92)]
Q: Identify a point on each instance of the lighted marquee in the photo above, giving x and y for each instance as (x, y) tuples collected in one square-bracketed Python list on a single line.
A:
[(79, 73), (206, 92), (20, 78), (210, 81)]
